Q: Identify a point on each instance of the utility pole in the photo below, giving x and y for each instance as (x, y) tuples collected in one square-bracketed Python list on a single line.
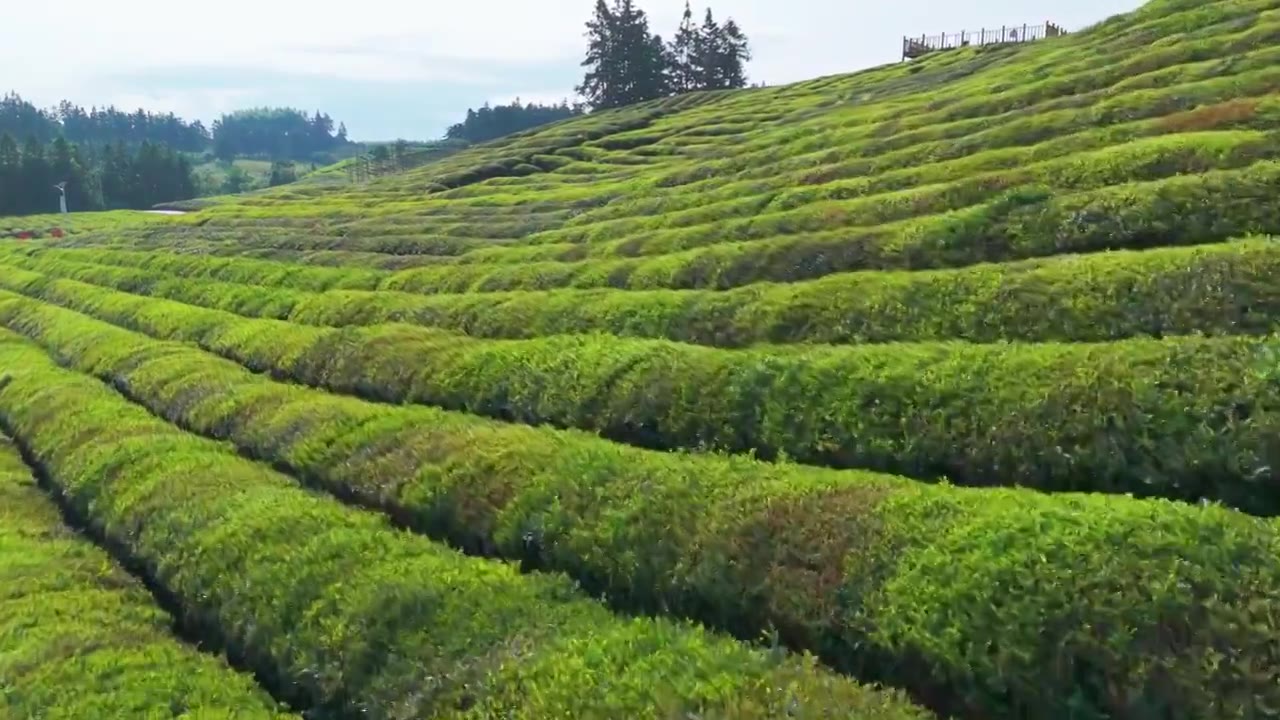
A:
[(62, 196)]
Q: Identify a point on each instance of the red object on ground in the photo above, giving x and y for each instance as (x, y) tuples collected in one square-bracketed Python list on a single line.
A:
[(56, 232), (25, 235)]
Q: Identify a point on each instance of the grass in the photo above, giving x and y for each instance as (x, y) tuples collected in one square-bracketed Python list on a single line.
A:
[(958, 374)]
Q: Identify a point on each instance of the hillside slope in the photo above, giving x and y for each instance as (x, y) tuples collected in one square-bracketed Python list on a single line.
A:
[(968, 366)]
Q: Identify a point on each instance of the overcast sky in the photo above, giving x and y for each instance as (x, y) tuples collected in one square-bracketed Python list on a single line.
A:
[(408, 68)]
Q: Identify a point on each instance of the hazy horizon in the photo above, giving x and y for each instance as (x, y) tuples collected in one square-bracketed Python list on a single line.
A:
[(394, 70)]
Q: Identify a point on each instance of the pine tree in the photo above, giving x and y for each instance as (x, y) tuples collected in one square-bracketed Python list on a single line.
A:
[(734, 52), (64, 167), (117, 177), (603, 81), (684, 76), (10, 176), (37, 191), (706, 54), (719, 55), (626, 64)]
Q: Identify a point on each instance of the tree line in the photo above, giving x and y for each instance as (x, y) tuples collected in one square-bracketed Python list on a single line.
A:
[(277, 133), (106, 178), (490, 122), (270, 133), (626, 63), (99, 126)]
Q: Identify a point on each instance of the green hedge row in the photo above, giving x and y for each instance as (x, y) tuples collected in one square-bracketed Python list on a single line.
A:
[(80, 638), (235, 269), (1023, 223), (250, 300), (1181, 418), (985, 602), (262, 237), (853, 205), (349, 617), (1225, 288)]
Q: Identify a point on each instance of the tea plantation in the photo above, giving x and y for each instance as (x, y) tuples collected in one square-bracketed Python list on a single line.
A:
[(950, 388)]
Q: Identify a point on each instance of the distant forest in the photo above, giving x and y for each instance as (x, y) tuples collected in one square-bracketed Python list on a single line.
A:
[(489, 123), (266, 133), (277, 134), (97, 178), (98, 126), (111, 159)]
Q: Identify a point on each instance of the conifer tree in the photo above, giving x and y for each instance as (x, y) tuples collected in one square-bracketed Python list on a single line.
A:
[(65, 166), (706, 54), (626, 63), (720, 55), (37, 183), (733, 54), (684, 74), (10, 175), (603, 81)]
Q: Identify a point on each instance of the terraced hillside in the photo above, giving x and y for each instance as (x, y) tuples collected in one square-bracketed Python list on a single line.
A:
[(944, 389)]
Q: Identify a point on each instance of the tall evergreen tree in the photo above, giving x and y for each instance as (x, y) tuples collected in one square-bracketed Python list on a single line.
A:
[(603, 81), (733, 53), (720, 54), (626, 63), (117, 177), (706, 55), (10, 176), (37, 183), (684, 74), (65, 167)]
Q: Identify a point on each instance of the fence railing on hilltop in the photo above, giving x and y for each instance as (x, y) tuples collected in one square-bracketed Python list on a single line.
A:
[(914, 47), (368, 166)]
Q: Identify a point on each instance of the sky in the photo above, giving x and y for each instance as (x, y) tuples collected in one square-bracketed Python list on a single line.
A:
[(409, 68)]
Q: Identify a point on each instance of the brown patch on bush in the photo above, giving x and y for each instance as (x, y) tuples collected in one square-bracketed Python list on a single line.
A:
[(1209, 117), (820, 176), (787, 560)]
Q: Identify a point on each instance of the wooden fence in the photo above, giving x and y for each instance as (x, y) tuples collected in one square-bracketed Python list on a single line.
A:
[(914, 47)]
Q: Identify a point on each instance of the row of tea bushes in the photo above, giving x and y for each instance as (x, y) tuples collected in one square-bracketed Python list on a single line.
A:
[(1223, 288), (983, 601), (346, 616), (83, 639), (1183, 418)]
